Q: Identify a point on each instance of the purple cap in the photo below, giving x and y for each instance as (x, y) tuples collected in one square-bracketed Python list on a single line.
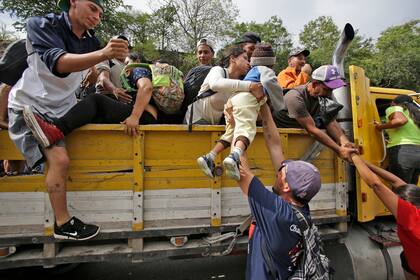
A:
[(303, 178), (329, 75)]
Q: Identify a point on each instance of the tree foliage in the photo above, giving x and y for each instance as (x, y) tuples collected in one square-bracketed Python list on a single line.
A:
[(396, 62), (112, 22), (271, 31), (320, 37), (197, 19)]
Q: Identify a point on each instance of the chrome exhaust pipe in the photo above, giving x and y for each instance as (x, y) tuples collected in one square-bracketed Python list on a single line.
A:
[(342, 95), (342, 46)]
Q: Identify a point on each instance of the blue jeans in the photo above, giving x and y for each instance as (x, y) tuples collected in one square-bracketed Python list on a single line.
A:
[(404, 161)]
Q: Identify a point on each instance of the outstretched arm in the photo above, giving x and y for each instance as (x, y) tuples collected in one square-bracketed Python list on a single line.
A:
[(394, 180), (272, 137), (342, 151), (389, 198)]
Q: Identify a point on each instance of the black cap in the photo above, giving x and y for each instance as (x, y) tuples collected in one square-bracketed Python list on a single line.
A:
[(298, 51), (250, 37)]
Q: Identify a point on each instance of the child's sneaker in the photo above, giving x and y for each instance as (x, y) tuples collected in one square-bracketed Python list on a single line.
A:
[(231, 163), (207, 165), (46, 133), (75, 229)]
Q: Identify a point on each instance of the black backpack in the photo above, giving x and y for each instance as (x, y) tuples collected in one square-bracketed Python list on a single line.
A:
[(13, 62), (192, 84)]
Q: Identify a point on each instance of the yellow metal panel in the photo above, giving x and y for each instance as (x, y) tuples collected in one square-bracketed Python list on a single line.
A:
[(100, 181), (367, 137), (33, 183), (7, 148), (85, 144)]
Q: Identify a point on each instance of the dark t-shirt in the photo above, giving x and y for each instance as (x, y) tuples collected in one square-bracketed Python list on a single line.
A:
[(299, 103), (278, 225), (51, 37)]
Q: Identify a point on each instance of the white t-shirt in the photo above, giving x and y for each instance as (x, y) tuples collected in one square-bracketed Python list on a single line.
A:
[(43, 90), (211, 108)]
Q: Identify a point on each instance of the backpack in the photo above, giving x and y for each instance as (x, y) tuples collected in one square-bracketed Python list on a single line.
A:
[(13, 62), (168, 88), (205, 94), (192, 84), (313, 264)]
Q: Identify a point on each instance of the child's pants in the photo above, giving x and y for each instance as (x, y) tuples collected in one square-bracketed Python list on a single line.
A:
[(245, 112)]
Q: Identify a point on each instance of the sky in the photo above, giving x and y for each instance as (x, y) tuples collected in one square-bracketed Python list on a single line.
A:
[(370, 17)]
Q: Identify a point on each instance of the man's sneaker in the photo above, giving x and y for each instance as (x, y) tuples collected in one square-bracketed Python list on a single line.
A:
[(46, 133), (75, 229), (207, 165), (231, 163)]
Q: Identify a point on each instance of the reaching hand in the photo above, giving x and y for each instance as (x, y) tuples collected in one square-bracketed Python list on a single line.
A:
[(131, 124), (116, 48), (307, 68), (122, 95), (257, 90), (378, 125), (228, 112), (346, 152)]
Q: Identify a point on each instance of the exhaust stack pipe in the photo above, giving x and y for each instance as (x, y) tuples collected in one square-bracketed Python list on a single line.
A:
[(342, 95)]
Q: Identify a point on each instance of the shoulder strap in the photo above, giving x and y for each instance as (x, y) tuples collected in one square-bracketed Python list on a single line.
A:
[(303, 222), (269, 261), (205, 94)]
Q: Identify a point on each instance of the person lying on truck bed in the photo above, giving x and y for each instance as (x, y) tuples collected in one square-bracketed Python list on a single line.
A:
[(303, 110), (109, 82), (404, 204), (222, 81), (62, 48), (276, 242)]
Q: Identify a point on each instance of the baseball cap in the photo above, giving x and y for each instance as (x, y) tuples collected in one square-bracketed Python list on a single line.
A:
[(207, 42), (65, 4), (250, 37), (329, 75), (303, 178), (298, 51)]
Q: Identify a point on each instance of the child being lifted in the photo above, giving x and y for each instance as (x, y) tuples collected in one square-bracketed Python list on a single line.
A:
[(241, 130)]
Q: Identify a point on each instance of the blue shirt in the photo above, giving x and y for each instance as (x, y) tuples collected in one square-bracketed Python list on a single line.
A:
[(51, 37), (278, 225), (254, 75)]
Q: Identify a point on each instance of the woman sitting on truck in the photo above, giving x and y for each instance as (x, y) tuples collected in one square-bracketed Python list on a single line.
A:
[(403, 128), (404, 205), (223, 81)]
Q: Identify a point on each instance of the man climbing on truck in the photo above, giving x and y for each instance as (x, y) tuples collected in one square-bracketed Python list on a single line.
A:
[(62, 48)]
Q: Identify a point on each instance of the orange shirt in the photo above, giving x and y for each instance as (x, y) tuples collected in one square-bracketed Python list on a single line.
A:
[(288, 78)]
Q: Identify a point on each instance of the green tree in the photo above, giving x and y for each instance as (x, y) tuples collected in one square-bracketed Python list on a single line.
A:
[(321, 35), (197, 19), (396, 62), (163, 28), (271, 31)]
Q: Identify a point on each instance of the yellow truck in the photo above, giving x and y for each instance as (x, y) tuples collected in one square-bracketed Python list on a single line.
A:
[(153, 202)]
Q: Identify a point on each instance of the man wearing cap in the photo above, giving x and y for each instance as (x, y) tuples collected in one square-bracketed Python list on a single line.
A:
[(61, 49), (276, 227), (303, 110), (205, 52), (298, 72), (248, 41)]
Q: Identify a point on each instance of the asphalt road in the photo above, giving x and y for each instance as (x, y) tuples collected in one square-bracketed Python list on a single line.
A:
[(218, 268)]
